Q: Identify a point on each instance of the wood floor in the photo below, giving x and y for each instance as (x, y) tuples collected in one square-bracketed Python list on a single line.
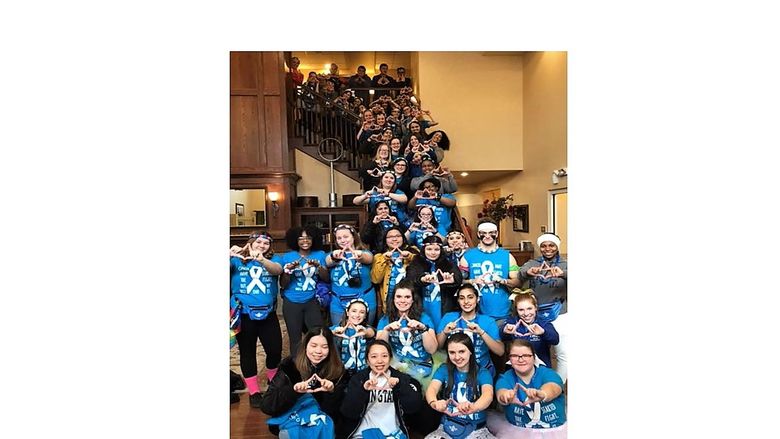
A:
[(247, 422)]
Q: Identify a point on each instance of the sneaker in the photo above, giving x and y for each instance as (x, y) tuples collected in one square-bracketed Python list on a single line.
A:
[(254, 399), (234, 398)]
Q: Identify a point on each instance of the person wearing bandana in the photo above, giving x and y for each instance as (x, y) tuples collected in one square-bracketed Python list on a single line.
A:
[(303, 266), (547, 277), (456, 246), (254, 284), (436, 277), (491, 270)]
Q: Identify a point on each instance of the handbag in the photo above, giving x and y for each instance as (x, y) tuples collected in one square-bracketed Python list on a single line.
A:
[(457, 428), (548, 312), (322, 293)]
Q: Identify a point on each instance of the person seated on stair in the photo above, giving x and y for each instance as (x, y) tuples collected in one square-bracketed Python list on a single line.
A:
[(428, 194), (386, 190), (442, 173), (371, 172)]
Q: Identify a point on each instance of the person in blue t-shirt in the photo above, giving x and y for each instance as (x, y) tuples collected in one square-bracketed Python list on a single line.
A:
[(423, 225), (532, 397), (350, 273), (491, 270), (462, 391), (428, 194), (456, 246), (303, 266), (254, 284), (380, 219), (386, 190), (481, 329), (409, 331), (436, 277), (351, 334), (525, 324)]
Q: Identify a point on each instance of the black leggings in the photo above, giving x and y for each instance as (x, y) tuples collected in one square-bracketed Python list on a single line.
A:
[(296, 314), (270, 335)]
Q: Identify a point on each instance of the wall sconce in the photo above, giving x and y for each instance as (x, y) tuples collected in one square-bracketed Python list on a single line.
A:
[(371, 92), (274, 197), (556, 174)]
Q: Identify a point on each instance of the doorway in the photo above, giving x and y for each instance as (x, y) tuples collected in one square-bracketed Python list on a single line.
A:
[(559, 216)]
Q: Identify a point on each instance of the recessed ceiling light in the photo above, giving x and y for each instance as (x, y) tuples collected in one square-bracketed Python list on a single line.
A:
[(464, 174)]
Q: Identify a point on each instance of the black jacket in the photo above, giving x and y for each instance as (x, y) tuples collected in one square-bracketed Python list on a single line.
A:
[(407, 397), (280, 396), (420, 267)]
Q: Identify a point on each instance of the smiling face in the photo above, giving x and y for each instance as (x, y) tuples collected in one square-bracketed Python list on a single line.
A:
[(402, 299), (436, 137), (414, 141), (432, 252), (368, 116), (455, 241), (426, 214), (526, 311), (261, 244), (427, 166), (395, 144), (317, 349), (378, 358), (414, 127), (467, 299), (380, 119), (487, 237), (459, 355), (548, 249), (388, 180), (399, 168), (356, 313), (393, 239), (304, 241), (344, 238), (383, 152), (522, 359)]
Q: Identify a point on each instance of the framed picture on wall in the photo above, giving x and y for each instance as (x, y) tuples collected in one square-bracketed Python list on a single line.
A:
[(239, 209), (520, 218)]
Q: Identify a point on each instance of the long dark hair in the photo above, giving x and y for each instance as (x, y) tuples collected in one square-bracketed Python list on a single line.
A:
[(415, 311), (462, 288), (331, 368), (433, 221), (471, 375), (382, 248)]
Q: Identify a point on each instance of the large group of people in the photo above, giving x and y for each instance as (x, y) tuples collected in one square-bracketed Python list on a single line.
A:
[(434, 338), (401, 327)]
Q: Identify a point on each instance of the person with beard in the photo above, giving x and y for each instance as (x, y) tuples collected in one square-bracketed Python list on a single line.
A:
[(360, 80), (382, 82), (491, 270), (546, 275), (436, 277)]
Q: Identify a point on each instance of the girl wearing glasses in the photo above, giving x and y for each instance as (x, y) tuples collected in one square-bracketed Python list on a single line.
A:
[(462, 391), (424, 225), (254, 278), (350, 273), (481, 329), (391, 262), (303, 266), (386, 190), (532, 397)]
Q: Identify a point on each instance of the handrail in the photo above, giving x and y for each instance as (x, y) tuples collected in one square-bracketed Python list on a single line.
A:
[(457, 220)]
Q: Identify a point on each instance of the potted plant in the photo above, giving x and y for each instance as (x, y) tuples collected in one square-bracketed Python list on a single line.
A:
[(497, 209)]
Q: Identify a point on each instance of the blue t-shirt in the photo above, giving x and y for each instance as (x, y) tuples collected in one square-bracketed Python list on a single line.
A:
[(443, 214), (463, 393), (416, 238), (431, 293), (339, 277), (253, 286), (494, 299), (408, 346), (303, 280), (353, 351), (539, 415), (480, 347)]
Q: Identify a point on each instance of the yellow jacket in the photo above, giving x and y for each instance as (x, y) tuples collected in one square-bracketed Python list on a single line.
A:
[(380, 274)]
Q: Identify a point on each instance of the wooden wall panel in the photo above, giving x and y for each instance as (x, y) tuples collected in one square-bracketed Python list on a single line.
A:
[(274, 132), (245, 142), (272, 73), (243, 70)]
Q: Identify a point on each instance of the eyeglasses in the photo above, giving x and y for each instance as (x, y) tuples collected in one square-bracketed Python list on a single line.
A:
[(524, 356), (304, 238)]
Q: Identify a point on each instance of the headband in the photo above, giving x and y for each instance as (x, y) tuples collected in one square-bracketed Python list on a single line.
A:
[(487, 227), (359, 301), (456, 232), (344, 226), (549, 237), (265, 236)]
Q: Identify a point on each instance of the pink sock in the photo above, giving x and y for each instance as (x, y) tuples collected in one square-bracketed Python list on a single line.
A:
[(251, 385), (270, 373)]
